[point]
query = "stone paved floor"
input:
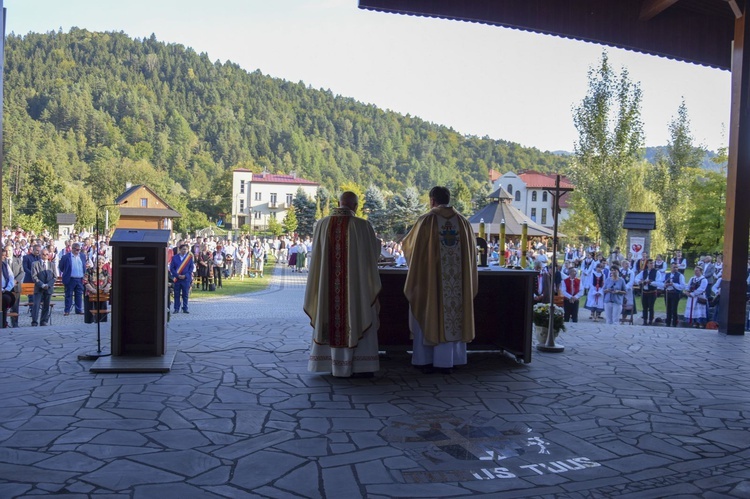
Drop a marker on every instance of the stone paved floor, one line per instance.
(625, 411)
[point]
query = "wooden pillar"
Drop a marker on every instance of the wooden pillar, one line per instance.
(2, 79)
(736, 231)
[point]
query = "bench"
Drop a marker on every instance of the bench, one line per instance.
(27, 288)
(94, 301)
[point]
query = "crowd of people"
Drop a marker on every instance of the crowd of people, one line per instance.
(610, 286)
(81, 264)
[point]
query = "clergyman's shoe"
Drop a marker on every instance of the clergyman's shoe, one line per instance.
(34, 323)
(363, 375)
(176, 312)
(185, 312)
(444, 370)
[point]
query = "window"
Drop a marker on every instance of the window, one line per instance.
(518, 195)
(242, 205)
(273, 215)
(144, 202)
(533, 196)
(544, 196)
(510, 189)
(257, 215)
(544, 215)
(242, 187)
(257, 196)
(273, 199)
(533, 214)
(289, 198)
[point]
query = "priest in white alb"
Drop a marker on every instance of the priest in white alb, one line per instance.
(341, 297)
(441, 285)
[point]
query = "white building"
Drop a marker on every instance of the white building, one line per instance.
(533, 194)
(258, 197)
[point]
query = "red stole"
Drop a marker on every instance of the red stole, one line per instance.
(338, 278)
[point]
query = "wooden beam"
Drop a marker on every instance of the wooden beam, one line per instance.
(735, 8)
(652, 8)
(737, 220)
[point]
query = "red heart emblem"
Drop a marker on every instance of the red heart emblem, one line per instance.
(637, 248)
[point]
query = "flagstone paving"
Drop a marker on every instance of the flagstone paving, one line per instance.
(624, 411)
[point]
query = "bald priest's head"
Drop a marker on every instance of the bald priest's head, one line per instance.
(349, 200)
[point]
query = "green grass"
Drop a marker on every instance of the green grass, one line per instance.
(232, 287)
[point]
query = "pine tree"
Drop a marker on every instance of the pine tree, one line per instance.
(406, 209)
(377, 211)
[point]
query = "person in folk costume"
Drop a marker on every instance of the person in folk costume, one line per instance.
(181, 269)
(648, 279)
(627, 275)
(541, 284)
(697, 302)
(680, 261)
(259, 254)
(673, 284)
(587, 269)
(205, 266)
(441, 285)
(595, 296)
(341, 297)
(614, 293)
(572, 291)
(241, 260)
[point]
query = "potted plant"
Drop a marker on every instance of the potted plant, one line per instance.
(541, 320)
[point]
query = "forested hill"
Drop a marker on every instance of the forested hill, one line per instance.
(87, 111)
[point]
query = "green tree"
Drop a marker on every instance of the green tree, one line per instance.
(304, 210)
(707, 217)
(406, 209)
(275, 228)
(610, 137)
(670, 178)
(289, 224)
(377, 211)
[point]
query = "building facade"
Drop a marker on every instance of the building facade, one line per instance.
(258, 197)
(533, 194)
(142, 208)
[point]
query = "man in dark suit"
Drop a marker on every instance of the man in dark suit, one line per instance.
(181, 269)
(73, 268)
(43, 274)
(15, 263)
(28, 261)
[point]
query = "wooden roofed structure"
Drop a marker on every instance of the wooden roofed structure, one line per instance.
(712, 33)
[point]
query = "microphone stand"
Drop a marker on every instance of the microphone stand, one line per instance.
(98, 354)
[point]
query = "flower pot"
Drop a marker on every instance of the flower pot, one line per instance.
(541, 333)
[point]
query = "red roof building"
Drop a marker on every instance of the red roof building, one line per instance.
(533, 194)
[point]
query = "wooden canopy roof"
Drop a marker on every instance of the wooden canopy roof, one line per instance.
(697, 31)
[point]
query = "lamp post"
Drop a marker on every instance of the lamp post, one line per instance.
(524, 242)
(501, 246)
(98, 354)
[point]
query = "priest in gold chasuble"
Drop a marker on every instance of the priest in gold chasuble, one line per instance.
(341, 298)
(441, 284)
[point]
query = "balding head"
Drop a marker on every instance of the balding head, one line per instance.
(349, 200)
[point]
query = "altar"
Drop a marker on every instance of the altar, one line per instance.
(502, 311)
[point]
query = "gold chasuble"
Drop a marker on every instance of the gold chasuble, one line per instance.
(341, 295)
(442, 280)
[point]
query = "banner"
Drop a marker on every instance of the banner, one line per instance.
(637, 245)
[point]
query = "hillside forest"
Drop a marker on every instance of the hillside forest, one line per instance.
(86, 112)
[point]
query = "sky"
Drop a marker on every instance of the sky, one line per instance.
(479, 80)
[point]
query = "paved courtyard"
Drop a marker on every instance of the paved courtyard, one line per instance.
(625, 411)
